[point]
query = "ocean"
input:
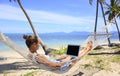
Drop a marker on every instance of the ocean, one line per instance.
(58, 39)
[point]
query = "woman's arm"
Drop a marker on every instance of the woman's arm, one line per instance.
(43, 60)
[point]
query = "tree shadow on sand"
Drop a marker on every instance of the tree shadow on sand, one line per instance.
(79, 74)
(17, 66)
(102, 53)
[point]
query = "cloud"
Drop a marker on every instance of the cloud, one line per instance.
(50, 20)
(13, 13)
(10, 13)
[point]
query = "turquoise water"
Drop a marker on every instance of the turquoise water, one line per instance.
(52, 39)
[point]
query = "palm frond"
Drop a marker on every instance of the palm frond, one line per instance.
(101, 1)
(110, 17)
(107, 12)
(12, 0)
(112, 2)
(90, 2)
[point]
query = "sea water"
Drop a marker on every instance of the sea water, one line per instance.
(60, 39)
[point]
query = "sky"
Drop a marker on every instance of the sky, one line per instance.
(49, 16)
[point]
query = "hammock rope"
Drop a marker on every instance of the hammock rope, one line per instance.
(100, 37)
(97, 39)
(23, 52)
(65, 68)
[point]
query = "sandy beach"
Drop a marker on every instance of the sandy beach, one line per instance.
(13, 64)
(97, 63)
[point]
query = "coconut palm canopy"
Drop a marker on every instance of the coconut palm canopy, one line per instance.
(113, 9)
(12, 0)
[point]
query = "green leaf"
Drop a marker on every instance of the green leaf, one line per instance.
(90, 2)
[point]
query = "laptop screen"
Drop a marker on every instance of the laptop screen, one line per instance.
(73, 50)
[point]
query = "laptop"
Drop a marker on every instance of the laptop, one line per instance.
(73, 50)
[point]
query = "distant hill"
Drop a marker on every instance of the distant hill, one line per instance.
(64, 33)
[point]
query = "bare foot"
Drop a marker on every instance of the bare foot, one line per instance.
(90, 44)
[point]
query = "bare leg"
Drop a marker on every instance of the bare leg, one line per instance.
(61, 57)
(83, 52)
(86, 50)
(64, 58)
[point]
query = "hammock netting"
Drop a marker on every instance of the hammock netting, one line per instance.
(97, 39)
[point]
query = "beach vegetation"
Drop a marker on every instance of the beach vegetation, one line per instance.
(100, 64)
(116, 59)
(97, 62)
(61, 51)
(32, 73)
(88, 66)
(98, 59)
(5, 73)
(119, 73)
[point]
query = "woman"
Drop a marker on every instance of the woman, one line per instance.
(33, 44)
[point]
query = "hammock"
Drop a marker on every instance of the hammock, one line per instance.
(23, 52)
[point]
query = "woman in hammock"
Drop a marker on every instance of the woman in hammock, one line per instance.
(32, 43)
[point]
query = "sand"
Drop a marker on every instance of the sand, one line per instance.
(13, 64)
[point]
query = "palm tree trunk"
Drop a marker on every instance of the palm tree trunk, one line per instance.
(117, 29)
(96, 19)
(30, 22)
(95, 28)
(28, 18)
(104, 21)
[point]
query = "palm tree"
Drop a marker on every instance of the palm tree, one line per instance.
(101, 3)
(13, 0)
(97, 5)
(113, 10)
(90, 1)
(45, 48)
